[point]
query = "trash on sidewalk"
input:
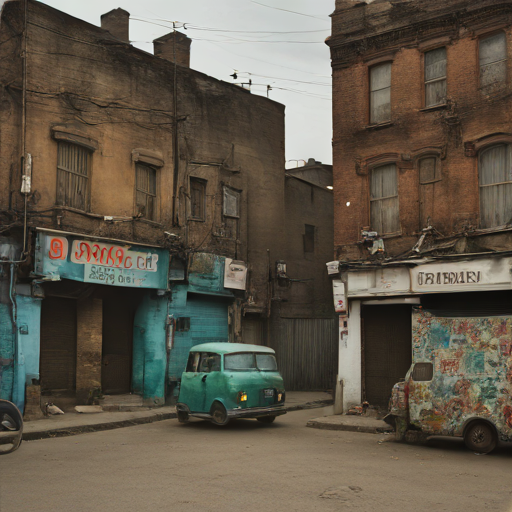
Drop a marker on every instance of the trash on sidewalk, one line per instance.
(52, 409)
(88, 409)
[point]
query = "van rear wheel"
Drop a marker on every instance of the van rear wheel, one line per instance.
(480, 437)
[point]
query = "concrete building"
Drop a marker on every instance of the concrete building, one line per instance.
(422, 175)
(126, 186)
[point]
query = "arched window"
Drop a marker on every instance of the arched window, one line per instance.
(495, 176)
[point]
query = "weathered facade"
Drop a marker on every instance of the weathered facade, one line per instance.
(126, 220)
(422, 175)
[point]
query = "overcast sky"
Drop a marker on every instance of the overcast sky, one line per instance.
(260, 39)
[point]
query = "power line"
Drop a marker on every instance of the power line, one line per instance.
(286, 10)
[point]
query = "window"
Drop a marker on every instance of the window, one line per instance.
(231, 205)
(242, 362)
(495, 176)
(493, 61)
(423, 372)
(197, 198)
(428, 169)
(384, 213)
(183, 324)
(203, 362)
(73, 169)
(380, 93)
(146, 191)
(309, 238)
(435, 77)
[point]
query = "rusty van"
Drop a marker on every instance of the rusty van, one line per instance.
(460, 381)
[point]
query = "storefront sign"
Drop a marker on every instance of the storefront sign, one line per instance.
(99, 262)
(478, 274)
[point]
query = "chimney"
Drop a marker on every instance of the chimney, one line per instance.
(164, 48)
(117, 23)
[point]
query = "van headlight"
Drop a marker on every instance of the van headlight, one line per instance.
(242, 396)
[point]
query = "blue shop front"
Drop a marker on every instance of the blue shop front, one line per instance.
(106, 317)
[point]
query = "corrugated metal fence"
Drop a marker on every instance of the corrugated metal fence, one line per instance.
(307, 353)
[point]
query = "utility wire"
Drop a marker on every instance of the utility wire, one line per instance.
(287, 10)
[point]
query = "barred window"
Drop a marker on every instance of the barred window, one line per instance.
(146, 191)
(495, 176)
(384, 212)
(435, 77)
(493, 61)
(73, 170)
(380, 93)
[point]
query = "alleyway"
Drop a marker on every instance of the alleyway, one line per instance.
(252, 467)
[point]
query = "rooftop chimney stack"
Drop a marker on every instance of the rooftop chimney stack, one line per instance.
(164, 48)
(117, 23)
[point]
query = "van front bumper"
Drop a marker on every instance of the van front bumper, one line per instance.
(257, 412)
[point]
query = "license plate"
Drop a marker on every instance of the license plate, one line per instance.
(269, 393)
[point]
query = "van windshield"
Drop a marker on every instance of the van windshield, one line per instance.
(249, 361)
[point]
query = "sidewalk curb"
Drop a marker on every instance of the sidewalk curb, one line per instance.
(98, 427)
(365, 429)
(111, 425)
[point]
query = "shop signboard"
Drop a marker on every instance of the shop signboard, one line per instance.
(473, 275)
(90, 261)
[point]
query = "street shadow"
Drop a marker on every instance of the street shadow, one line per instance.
(456, 444)
(238, 425)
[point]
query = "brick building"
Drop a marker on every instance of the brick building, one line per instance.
(422, 174)
(124, 203)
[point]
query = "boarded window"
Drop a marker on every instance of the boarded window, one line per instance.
(435, 77)
(428, 169)
(493, 61)
(495, 176)
(231, 205)
(384, 213)
(73, 168)
(146, 191)
(380, 93)
(309, 238)
(197, 198)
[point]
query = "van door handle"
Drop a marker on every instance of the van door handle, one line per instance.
(204, 378)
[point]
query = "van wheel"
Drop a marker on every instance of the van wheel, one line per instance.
(182, 416)
(266, 419)
(480, 437)
(219, 414)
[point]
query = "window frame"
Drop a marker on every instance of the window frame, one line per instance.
(508, 163)
(65, 200)
(384, 198)
(437, 171)
(202, 183)
(154, 169)
(498, 85)
(371, 69)
(439, 79)
(226, 190)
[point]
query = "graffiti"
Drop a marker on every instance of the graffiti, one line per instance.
(473, 370)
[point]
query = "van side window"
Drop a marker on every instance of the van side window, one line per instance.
(193, 362)
(423, 372)
(209, 362)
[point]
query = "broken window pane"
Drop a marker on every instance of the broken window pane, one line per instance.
(380, 93)
(493, 61)
(495, 175)
(384, 212)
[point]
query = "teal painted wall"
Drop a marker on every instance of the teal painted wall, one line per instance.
(7, 346)
(208, 322)
(149, 349)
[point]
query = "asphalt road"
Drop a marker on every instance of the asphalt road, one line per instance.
(248, 466)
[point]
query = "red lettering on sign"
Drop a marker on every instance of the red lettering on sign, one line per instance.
(57, 251)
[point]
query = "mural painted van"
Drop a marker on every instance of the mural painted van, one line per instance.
(223, 381)
(460, 381)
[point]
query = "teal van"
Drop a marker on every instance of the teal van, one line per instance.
(223, 381)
